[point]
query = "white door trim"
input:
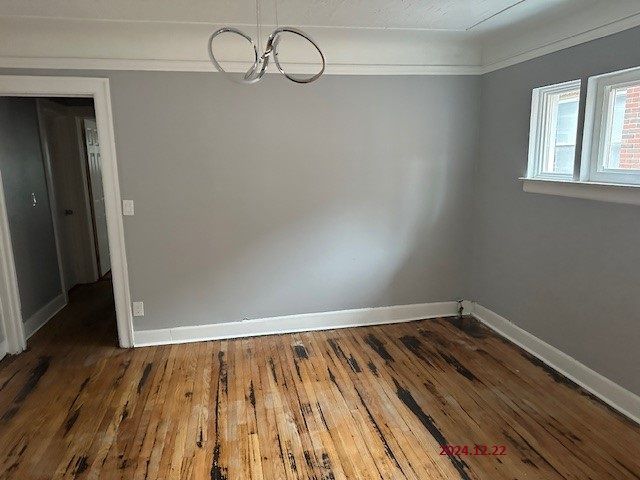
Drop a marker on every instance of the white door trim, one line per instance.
(98, 89)
(9, 296)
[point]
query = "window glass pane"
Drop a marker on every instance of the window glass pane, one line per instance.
(623, 150)
(564, 157)
(564, 126)
(567, 121)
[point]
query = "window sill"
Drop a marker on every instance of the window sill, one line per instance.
(604, 192)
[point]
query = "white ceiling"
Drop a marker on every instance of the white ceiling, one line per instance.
(456, 15)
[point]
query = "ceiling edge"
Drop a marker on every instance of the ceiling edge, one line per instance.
(38, 43)
(529, 52)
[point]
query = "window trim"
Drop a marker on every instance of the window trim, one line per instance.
(596, 134)
(540, 127)
(604, 192)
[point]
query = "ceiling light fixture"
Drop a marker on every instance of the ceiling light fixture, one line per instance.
(261, 62)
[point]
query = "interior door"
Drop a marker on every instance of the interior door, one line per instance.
(97, 194)
(70, 199)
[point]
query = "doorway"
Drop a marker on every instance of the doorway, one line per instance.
(72, 160)
(76, 143)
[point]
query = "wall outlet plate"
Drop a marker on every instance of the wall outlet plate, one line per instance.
(128, 207)
(138, 309)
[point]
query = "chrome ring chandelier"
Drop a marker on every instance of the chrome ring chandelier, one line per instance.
(261, 62)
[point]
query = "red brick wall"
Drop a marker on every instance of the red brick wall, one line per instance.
(630, 149)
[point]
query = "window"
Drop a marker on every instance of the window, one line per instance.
(554, 128)
(611, 148)
(608, 167)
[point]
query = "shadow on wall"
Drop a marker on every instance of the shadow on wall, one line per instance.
(357, 246)
(350, 249)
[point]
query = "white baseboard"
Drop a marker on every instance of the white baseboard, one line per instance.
(42, 316)
(3, 348)
(295, 323)
(609, 392)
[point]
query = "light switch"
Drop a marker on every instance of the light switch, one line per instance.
(138, 309)
(128, 207)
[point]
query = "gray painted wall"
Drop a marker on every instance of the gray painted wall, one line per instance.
(276, 199)
(31, 227)
(566, 270)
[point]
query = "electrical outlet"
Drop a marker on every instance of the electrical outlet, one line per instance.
(128, 208)
(138, 309)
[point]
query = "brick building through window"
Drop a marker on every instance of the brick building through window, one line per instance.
(625, 135)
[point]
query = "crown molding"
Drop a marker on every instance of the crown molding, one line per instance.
(54, 43)
(29, 42)
(57, 63)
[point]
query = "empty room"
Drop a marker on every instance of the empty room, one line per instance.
(320, 240)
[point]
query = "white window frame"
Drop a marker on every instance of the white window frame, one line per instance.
(542, 130)
(598, 115)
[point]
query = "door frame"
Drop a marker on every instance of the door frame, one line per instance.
(98, 89)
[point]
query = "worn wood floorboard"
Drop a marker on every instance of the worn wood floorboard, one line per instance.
(360, 403)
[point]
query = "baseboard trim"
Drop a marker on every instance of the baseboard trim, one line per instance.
(42, 316)
(295, 323)
(611, 393)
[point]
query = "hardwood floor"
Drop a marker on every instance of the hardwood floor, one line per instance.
(370, 403)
